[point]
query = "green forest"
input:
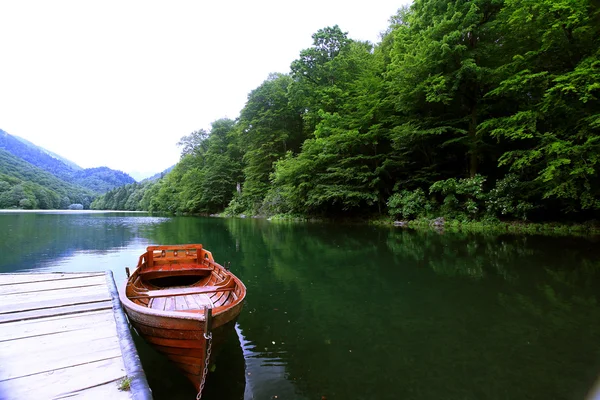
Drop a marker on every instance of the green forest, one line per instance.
(34, 178)
(468, 109)
(26, 186)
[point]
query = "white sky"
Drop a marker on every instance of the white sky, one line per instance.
(118, 83)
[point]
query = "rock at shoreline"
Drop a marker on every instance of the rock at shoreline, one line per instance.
(438, 222)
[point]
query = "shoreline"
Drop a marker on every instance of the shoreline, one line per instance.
(440, 224)
(14, 210)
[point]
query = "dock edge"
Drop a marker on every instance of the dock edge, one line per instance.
(133, 366)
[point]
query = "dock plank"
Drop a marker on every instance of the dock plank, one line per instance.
(59, 338)
(17, 298)
(49, 360)
(55, 311)
(50, 285)
(106, 391)
(43, 326)
(62, 382)
(12, 279)
(49, 302)
(39, 344)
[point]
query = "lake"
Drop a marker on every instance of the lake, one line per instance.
(341, 311)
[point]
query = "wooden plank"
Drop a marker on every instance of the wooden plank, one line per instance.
(170, 304)
(32, 287)
(109, 390)
(191, 301)
(180, 303)
(44, 326)
(20, 367)
(35, 304)
(187, 344)
(39, 344)
(63, 381)
(12, 279)
(203, 301)
(16, 298)
(158, 303)
(182, 291)
(59, 338)
(56, 311)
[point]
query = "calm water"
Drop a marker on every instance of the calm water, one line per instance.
(359, 312)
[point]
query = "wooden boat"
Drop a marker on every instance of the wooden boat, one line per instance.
(181, 301)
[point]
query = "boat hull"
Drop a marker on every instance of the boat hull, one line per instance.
(171, 315)
(183, 347)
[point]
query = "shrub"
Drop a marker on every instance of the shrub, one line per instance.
(506, 199)
(408, 204)
(463, 198)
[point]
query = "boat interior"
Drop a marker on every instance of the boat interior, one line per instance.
(183, 279)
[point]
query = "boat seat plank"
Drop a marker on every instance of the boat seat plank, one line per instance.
(175, 292)
(176, 269)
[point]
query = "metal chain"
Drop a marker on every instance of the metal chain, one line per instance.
(208, 338)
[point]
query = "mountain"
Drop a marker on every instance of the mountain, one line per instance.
(98, 180)
(101, 179)
(51, 154)
(34, 155)
(24, 185)
(156, 177)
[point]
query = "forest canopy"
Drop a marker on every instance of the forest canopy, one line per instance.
(479, 109)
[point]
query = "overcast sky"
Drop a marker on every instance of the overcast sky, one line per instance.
(118, 83)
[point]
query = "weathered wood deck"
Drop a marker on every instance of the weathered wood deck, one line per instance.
(64, 335)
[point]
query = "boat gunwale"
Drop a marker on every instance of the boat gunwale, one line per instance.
(178, 314)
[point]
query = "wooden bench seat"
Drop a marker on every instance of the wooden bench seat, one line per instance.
(184, 291)
(161, 270)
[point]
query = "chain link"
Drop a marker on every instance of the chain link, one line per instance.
(208, 337)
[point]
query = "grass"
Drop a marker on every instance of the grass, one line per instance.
(125, 384)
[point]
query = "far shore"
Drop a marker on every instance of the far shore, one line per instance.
(15, 210)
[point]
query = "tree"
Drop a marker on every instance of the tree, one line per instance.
(341, 168)
(441, 71)
(553, 85)
(268, 127)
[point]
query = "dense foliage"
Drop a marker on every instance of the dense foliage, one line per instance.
(101, 179)
(22, 185)
(471, 109)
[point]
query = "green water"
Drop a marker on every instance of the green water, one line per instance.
(359, 312)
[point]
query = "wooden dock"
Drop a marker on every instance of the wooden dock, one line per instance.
(64, 335)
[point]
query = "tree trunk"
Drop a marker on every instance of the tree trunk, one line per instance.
(473, 147)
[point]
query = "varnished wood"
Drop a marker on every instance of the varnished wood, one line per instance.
(172, 318)
(182, 291)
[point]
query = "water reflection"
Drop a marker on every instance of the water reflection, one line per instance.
(266, 375)
(359, 312)
(31, 241)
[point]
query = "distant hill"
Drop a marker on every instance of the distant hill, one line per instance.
(98, 180)
(156, 177)
(102, 179)
(51, 154)
(34, 155)
(23, 185)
